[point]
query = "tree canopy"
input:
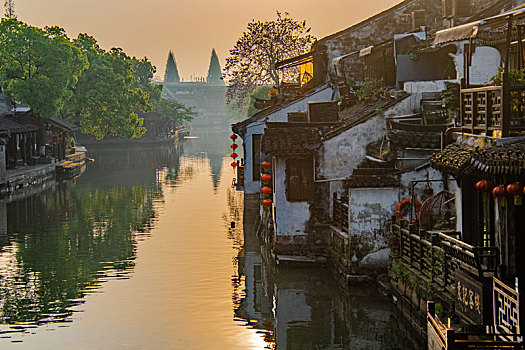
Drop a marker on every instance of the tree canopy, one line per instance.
(104, 101)
(101, 90)
(39, 67)
(253, 58)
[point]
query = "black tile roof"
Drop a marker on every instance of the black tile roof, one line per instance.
(12, 127)
(291, 138)
(505, 159)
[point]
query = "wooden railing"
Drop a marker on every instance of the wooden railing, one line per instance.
(441, 336)
(437, 255)
(492, 111)
(340, 217)
(481, 110)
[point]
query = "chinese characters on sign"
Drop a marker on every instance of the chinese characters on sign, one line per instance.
(469, 298)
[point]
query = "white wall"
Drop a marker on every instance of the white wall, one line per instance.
(281, 115)
(370, 211)
(290, 217)
(340, 155)
(485, 63)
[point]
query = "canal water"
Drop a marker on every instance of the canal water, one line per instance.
(147, 250)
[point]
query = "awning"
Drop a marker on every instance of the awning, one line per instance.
(336, 60)
(366, 51)
(295, 61)
(466, 31)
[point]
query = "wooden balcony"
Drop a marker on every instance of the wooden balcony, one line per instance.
(436, 256)
(340, 216)
(493, 111)
(442, 336)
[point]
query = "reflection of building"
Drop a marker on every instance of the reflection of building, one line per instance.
(3, 225)
(256, 306)
(305, 309)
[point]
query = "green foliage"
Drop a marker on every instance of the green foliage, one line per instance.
(214, 71)
(104, 100)
(400, 270)
(516, 77)
(173, 111)
(39, 67)
(172, 73)
(253, 58)
(100, 90)
(143, 72)
(451, 95)
(260, 92)
(369, 89)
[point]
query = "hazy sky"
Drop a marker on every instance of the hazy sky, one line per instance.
(191, 28)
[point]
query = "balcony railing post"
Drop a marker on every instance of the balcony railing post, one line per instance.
(421, 254)
(505, 101)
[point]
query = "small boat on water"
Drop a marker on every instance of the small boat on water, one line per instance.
(73, 165)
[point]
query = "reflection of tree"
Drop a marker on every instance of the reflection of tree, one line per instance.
(65, 240)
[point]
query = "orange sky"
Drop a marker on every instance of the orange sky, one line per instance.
(191, 28)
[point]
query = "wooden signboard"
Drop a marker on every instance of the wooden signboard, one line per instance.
(469, 298)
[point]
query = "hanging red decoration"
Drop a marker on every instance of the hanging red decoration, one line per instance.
(266, 190)
(267, 202)
(266, 165)
(233, 146)
(234, 164)
(151, 124)
(484, 186)
(234, 155)
(233, 137)
(499, 192)
(514, 189)
(266, 178)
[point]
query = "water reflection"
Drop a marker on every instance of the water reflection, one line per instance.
(63, 243)
(153, 249)
(296, 308)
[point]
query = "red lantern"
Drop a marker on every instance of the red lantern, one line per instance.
(484, 186)
(266, 178)
(233, 137)
(499, 192)
(266, 190)
(234, 155)
(514, 189)
(151, 124)
(233, 146)
(267, 202)
(266, 165)
(234, 164)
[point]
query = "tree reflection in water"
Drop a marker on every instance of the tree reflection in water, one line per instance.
(66, 242)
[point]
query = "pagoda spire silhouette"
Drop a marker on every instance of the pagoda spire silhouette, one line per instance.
(172, 72)
(214, 71)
